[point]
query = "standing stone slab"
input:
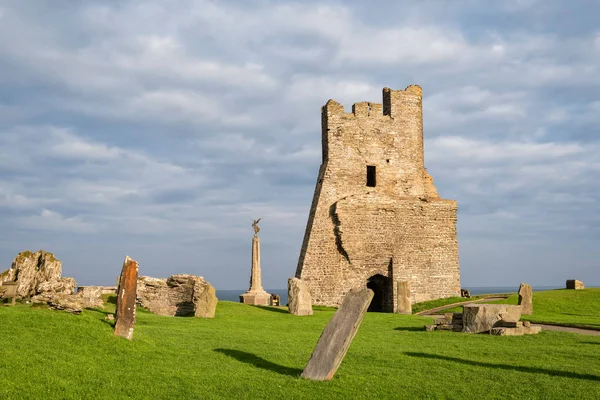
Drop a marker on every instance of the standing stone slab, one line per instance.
(337, 336)
(126, 294)
(526, 299)
(299, 300)
(404, 303)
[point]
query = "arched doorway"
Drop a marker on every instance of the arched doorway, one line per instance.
(378, 284)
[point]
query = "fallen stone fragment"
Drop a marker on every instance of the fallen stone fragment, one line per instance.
(299, 299)
(337, 336)
(526, 299)
(520, 331)
(574, 284)
(479, 318)
(509, 324)
(110, 317)
(70, 303)
(445, 327)
(125, 313)
(404, 297)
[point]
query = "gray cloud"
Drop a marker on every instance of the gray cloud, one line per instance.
(155, 131)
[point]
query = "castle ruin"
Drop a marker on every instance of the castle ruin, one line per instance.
(376, 217)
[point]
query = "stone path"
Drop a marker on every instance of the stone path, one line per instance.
(571, 329)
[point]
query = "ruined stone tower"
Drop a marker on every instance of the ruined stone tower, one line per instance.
(376, 217)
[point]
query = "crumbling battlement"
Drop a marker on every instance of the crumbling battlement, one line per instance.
(376, 214)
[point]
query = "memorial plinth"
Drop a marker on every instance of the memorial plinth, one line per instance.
(256, 295)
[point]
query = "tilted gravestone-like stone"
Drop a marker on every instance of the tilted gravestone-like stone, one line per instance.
(404, 303)
(337, 336)
(126, 294)
(526, 299)
(299, 300)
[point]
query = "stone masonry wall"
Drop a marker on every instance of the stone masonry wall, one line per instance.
(400, 228)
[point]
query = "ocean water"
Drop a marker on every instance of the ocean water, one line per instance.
(234, 295)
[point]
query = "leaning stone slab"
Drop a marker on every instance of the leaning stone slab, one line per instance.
(403, 297)
(337, 336)
(126, 294)
(574, 284)
(479, 318)
(526, 299)
(299, 300)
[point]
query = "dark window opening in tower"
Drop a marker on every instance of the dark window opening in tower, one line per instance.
(371, 176)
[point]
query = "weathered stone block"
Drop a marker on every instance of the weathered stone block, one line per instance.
(8, 290)
(91, 296)
(60, 286)
(404, 298)
(70, 303)
(275, 300)
(574, 284)
(483, 317)
(337, 336)
(126, 299)
(526, 299)
(518, 331)
(29, 270)
(299, 300)
(204, 298)
(179, 295)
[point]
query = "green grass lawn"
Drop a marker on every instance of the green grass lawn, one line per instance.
(249, 352)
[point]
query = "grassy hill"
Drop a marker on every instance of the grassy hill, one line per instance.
(250, 352)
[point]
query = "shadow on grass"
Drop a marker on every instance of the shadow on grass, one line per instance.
(410, 329)
(532, 370)
(273, 309)
(596, 343)
(259, 362)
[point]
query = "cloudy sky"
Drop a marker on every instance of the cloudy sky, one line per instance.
(158, 129)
